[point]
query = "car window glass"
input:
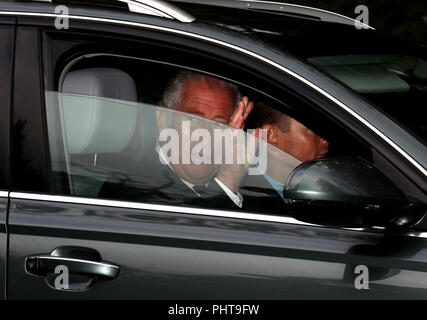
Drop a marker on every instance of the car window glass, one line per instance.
(115, 118)
(109, 145)
(395, 83)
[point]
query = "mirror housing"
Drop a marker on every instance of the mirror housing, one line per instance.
(347, 192)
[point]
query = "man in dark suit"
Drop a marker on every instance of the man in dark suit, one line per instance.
(180, 182)
(293, 143)
(153, 182)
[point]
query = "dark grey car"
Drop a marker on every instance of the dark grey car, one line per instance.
(80, 87)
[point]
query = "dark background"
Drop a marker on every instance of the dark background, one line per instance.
(407, 19)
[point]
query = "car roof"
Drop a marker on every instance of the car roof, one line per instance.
(266, 7)
(282, 9)
(298, 30)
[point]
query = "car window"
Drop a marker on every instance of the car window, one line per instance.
(115, 137)
(396, 83)
(122, 127)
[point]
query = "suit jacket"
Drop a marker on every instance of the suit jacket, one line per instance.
(153, 182)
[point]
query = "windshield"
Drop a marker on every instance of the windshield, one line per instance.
(396, 83)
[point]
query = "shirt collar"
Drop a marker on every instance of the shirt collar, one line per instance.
(164, 160)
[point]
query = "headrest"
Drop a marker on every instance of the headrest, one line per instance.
(98, 110)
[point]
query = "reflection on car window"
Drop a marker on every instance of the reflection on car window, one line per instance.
(188, 149)
(396, 83)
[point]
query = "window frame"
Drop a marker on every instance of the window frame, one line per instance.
(328, 107)
(323, 103)
(78, 58)
(196, 34)
(6, 89)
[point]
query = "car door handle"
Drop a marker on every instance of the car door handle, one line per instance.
(79, 261)
(44, 264)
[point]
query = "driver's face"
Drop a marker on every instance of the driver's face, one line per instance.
(302, 143)
(210, 100)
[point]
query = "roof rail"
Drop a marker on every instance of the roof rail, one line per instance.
(159, 8)
(151, 7)
(285, 8)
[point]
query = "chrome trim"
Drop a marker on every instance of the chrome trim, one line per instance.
(192, 211)
(156, 207)
(324, 15)
(159, 8)
(422, 235)
(103, 264)
(283, 7)
(166, 10)
(4, 194)
(242, 50)
(153, 7)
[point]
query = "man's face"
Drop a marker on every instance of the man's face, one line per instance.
(301, 142)
(210, 100)
(207, 99)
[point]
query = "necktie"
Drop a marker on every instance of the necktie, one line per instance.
(202, 190)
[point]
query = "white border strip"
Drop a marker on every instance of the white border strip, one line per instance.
(188, 210)
(247, 52)
(4, 194)
(158, 207)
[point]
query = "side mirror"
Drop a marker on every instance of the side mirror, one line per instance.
(347, 192)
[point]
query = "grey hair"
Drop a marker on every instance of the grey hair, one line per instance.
(173, 92)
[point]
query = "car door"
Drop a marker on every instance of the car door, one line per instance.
(68, 243)
(7, 35)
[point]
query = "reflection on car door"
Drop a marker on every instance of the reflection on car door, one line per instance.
(163, 254)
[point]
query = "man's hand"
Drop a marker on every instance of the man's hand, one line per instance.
(233, 174)
(241, 113)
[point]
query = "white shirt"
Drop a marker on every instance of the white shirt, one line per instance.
(236, 198)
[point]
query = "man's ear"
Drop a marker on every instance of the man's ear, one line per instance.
(270, 133)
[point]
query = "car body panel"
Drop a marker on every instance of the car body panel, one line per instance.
(167, 255)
